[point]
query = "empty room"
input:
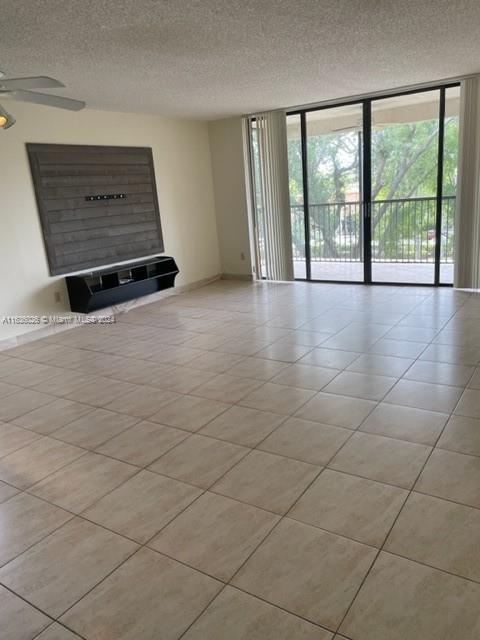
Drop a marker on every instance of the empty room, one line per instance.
(239, 320)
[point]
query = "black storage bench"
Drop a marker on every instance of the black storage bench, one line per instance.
(94, 290)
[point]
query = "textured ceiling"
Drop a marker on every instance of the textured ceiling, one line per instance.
(213, 58)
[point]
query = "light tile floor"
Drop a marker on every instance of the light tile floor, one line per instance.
(247, 461)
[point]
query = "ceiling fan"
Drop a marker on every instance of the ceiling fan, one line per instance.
(19, 89)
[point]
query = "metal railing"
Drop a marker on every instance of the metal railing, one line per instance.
(403, 230)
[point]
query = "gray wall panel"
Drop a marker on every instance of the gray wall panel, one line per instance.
(81, 234)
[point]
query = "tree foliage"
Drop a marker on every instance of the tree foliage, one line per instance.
(404, 166)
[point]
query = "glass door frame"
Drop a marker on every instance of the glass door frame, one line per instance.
(366, 183)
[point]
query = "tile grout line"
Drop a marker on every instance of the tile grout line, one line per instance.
(391, 527)
(286, 418)
(382, 548)
(282, 517)
(145, 545)
(52, 625)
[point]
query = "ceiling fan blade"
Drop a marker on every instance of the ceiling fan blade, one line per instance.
(47, 99)
(35, 82)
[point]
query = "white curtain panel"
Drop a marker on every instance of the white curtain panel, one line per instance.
(467, 231)
(275, 198)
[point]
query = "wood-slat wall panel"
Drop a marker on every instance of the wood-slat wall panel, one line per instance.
(81, 234)
(112, 254)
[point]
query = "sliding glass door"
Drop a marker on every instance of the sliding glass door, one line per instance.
(334, 152)
(325, 193)
(404, 166)
(372, 189)
(449, 184)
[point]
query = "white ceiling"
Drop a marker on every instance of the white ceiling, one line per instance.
(211, 58)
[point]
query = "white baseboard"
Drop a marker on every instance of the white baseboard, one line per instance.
(248, 277)
(50, 329)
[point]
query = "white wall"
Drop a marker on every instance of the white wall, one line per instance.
(226, 146)
(183, 171)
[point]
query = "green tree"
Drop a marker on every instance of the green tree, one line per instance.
(404, 166)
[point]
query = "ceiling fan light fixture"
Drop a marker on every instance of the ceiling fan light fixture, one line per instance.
(19, 89)
(6, 119)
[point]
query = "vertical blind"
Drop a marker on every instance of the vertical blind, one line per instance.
(270, 191)
(467, 232)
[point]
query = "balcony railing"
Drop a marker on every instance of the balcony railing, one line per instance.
(403, 230)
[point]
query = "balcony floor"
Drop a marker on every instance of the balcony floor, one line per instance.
(411, 273)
